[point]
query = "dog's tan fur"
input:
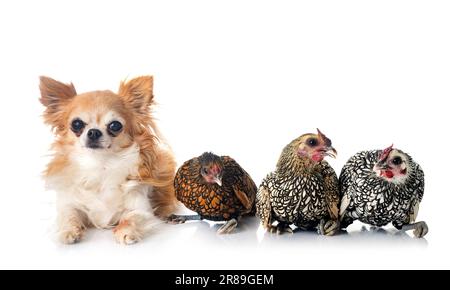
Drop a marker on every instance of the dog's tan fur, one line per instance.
(118, 182)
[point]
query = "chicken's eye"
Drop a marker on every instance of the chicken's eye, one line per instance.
(397, 161)
(312, 142)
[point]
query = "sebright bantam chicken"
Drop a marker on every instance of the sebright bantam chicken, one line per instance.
(217, 188)
(382, 186)
(303, 190)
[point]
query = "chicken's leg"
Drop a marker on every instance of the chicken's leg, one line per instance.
(228, 227)
(420, 229)
(281, 228)
(181, 219)
(328, 227)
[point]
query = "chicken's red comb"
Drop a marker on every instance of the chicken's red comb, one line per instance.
(324, 138)
(386, 152)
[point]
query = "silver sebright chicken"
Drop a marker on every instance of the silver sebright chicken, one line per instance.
(382, 186)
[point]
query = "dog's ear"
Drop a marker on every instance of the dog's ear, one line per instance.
(54, 96)
(138, 94)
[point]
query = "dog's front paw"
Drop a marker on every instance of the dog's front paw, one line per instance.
(71, 235)
(126, 234)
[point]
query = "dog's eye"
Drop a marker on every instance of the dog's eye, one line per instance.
(77, 125)
(115, 127)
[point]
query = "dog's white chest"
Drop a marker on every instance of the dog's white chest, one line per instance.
(100, 189)
(102, 198)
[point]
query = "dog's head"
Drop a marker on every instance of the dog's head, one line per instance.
(99, 120)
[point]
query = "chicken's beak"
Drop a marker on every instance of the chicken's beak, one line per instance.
(218, 181)
(331, 152)
(382, 165)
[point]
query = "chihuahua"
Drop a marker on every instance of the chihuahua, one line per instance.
(111, 169)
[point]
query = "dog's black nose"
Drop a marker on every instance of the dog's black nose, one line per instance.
(94, 134)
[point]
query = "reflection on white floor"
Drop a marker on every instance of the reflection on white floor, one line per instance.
(195, 245)
(250, 233)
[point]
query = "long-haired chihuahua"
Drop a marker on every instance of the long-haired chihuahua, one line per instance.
(110, 168)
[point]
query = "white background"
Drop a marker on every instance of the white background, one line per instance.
(241, 78)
